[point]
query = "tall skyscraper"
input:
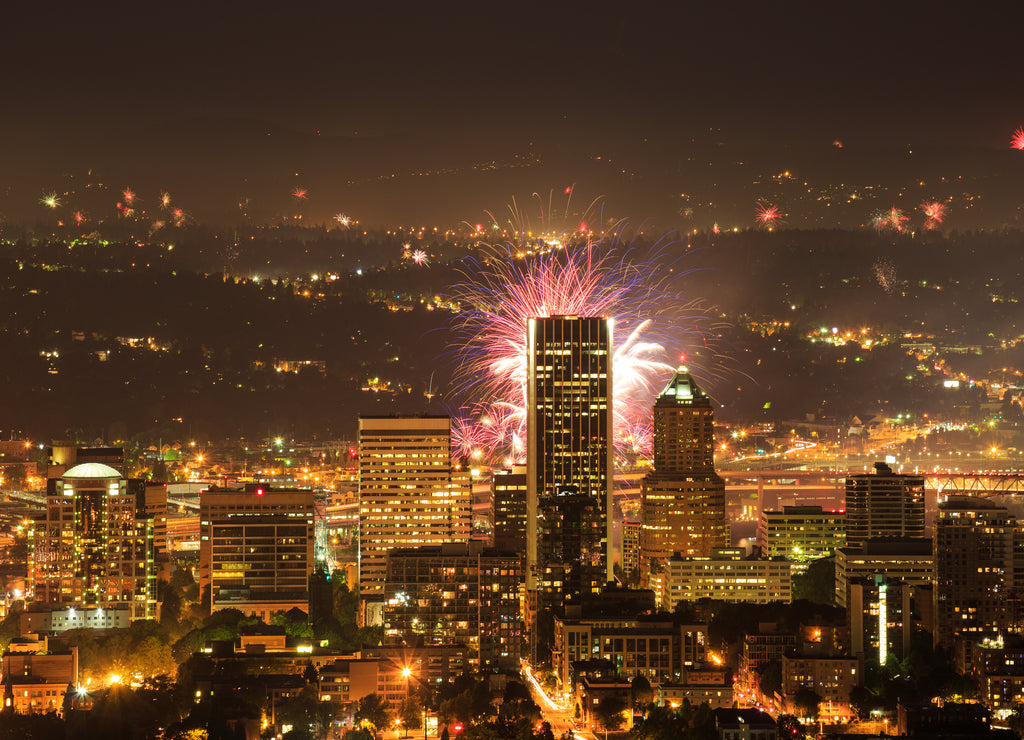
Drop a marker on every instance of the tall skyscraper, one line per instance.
(883, 504)
(974, 568)
(93, 548)
(256, 548)
(569, 453)
(410, 493)
(683, 498)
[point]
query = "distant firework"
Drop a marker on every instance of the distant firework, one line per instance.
(934, 213)
(420, 258)
(129, 196)
(344, 220)
(767, 215)
(300, 194)
(79, 218)
(165, 199)
(577, 277)
(50, 200)
(1017, 140)
(885, 274)
(891, 218)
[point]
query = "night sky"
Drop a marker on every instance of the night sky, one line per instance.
(389, 110)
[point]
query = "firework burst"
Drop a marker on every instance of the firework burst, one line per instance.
(129, 196)
(891, 218)
(343, 220)
(934, 214)
(300, 194)
(420, 258)
(50, 200)
(1017, 140)
(581, 278)
(885, 274)
(767, 216)
(165, 199)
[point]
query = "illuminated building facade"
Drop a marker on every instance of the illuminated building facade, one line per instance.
(648, 647)
(878, 612)
(630, 549)
(93, 548)
(725, 575)
(569, 457)
(683, 498)
(410, 493)
(908, 560)
(256, 548)
(459, 593)
(884, 504)
(974, 568)
(801, 533)
(508, 509)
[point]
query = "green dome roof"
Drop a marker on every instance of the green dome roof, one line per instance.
(91, 470)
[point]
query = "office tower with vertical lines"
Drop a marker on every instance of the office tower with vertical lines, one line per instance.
(569, 457)
(410, 493)
(884, 505)
(683, 498)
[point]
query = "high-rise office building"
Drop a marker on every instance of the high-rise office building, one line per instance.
(410, 493)
(256, 548)
(884, 504)
(508, 509)
(974, 568)
(569, 456)
(683, 504)
(93, 548)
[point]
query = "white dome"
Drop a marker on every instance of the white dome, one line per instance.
(91, 470)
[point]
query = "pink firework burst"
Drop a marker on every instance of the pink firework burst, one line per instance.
(896, 218)
(79, 218)
(1017, 140)
(766, 215)
(300, 194)
(934, 213)
(420, 258)
(129, 196)
(589, 279)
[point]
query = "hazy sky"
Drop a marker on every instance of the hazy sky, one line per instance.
(157, 88)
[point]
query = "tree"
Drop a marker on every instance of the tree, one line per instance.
(374, 710)
(641, 693)
(771, 678)
(817, 583)
(410, 711)
(609, 712)
(807, 702)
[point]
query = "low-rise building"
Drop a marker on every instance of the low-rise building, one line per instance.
(37, 682)
(727, 575)
(636, 646)
(801, 533)
(831, 678)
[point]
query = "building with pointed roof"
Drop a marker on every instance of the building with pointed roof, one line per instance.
(683, 498)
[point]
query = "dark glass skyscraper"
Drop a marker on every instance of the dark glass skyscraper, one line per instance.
(569, 456)
(884, 504)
